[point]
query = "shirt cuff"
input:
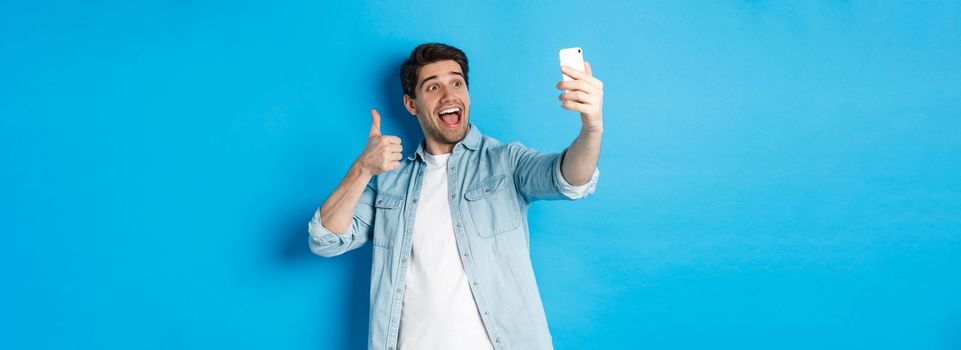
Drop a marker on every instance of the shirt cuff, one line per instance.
(571, 191)
(321, 237)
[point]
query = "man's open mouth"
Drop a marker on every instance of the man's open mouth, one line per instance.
(450, 116)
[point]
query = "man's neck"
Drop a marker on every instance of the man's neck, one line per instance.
(435, 148)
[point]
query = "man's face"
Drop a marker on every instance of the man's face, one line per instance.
(442, 104)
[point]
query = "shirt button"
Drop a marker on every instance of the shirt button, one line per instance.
(466, 254)
(452, 196)
(485, 313)
(458, 224)
(475, 283)
(403, 260)
(415, 200)
(398, 290)
(498, 340)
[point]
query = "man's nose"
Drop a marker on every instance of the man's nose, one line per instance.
(446, 95)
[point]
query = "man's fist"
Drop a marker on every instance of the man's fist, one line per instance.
(383, 152)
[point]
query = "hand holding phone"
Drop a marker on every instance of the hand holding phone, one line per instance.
(583, 92)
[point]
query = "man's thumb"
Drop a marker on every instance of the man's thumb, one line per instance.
(375, 123)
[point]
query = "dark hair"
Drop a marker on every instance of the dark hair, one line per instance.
(425, 54)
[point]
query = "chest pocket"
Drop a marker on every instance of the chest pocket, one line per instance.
(387, 218)
(493, 206)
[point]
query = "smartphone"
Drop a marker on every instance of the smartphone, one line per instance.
(572, 57)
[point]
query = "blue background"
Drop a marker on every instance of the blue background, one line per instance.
(773, 175)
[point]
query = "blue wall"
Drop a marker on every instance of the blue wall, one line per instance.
(773, 175)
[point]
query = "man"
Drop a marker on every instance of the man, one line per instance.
(451, 260)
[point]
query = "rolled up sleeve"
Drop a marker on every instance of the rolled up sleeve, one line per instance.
(326, 243)
(538, 176)
(571, 191)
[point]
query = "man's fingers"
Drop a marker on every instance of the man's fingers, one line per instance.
(391, 140)
(582, 76)
(577, 85)
(574, 106)
(389, 155)
(573, 73)
(587, 67)
(576, 96)
(387, 147)
(375, 123)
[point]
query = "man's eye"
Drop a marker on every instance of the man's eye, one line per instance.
(457, 83)
(432, 88)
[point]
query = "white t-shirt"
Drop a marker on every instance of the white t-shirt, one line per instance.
(439, 311)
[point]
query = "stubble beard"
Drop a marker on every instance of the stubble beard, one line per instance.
(449, 137)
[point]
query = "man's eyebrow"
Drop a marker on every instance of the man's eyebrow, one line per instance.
(435, 77)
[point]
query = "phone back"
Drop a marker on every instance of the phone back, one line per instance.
(572, 57)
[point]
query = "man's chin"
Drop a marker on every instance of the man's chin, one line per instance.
(455, 136)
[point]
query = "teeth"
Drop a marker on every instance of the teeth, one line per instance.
(450, 110)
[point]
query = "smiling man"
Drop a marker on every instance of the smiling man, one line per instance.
(451, 258)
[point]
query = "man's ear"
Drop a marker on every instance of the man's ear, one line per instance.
(410, 105)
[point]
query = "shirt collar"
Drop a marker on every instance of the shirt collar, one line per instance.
(470, 141)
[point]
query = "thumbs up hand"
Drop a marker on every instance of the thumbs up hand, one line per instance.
(383, 152)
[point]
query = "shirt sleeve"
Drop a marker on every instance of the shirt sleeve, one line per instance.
(326, 243)
(537, 176)
(571, 191)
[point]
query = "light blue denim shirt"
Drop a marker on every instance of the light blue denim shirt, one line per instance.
(490, 186)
